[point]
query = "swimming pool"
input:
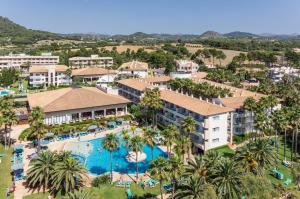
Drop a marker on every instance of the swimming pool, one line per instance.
(5, 92)
(98, 161)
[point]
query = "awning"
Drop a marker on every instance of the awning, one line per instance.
(93, 127)
(16, 167)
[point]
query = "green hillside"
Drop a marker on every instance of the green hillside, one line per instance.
(12, 33)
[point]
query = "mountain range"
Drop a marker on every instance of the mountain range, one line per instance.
(15, 33)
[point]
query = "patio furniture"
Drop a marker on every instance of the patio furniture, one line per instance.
(168, 187)
(92, 128)
(278, 174)
(287, 181)
(286, 163)
(129, 193)
(111, 125)
(18, 148)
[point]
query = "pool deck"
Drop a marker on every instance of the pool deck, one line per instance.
(21, 190)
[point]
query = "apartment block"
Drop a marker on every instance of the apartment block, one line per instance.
(186, 66)
(17, 60)
(92, 61)
(46, 75)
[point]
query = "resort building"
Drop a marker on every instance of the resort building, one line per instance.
(17, 60)
(46, 75)
(186, 66)
(76, 104)
(100, 76)
(92, 61)
(213, 121)
(277, 73)
(134, 68)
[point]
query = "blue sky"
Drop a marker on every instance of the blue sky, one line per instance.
(155, 16)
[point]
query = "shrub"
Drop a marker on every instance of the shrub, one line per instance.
(241, 138)
(100, 180)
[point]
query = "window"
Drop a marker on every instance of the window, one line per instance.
(215, 140)
(216, 129)
(216, 117)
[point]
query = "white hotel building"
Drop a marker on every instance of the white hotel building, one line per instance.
(17, 60)
(213, 121)
(92, 61)
(46, 75)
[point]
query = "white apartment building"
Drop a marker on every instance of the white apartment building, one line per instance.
(17, 60)
(186, 66)
(46, 75)
(92, 61)
(277, 73)
(134, 68)
(213, 121)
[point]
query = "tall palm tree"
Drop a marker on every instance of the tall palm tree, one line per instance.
(198, 167)
(136, 145)
(40, 170)
(169, 134)
(183, 144)
(6, 109)
(149, 135)
(9, 118)
(245, 155)
(189, 126)
(67, 176)
(110, 143)
(36, 123)
(279, 122)
(176, 170)
(195, 188)
(151, 100)
(250, 104)
(227, 178)
(125, 135)
(159, 170)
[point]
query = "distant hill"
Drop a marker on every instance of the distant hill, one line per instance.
(238, 34)
(210, 34)
(11, 32)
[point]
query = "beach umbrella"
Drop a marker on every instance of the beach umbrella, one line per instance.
(16, 167)
(18, 147)
(49, 134)
(93, 127)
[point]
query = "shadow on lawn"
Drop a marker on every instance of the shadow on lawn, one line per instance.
(146, 195)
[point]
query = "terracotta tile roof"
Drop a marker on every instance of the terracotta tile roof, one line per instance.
(45, 68)
(157, 79)
(193, 104)
(73, 98)
(92, 71)
(236, 102)
(134, 65)
(137, 84)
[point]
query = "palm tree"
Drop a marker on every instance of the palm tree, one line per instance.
(40, 170)
(183, 144)
(149, 138)
(198, 167)
(189, 125)
(151, 100)
(250, 104)
(136, 145)
(169, 134)
(67, 176)
(78, 195)
(125, 135)
(110, 143)
(176, 170)
(9, 119)
(195, 188)
(6, 109)
(245, 155)
(36, 123)
(227, 178)
(159, 170)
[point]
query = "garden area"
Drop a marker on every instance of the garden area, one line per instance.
(5, 167)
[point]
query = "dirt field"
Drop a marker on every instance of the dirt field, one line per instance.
(123, 48)
(229, 54)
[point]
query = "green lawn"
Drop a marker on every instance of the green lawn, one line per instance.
(111, 192)
(5, 177)
(225, 150)
(15, 86)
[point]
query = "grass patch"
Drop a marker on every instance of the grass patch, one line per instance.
(6, 178)
(111, 192)
(224, 150)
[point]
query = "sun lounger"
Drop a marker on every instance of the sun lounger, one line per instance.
(287, 181)
(129, 193)
(286, 163)
(278, 174)
(168, 187)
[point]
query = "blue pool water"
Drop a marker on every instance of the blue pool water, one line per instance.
(4, 92)
(98, 162)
